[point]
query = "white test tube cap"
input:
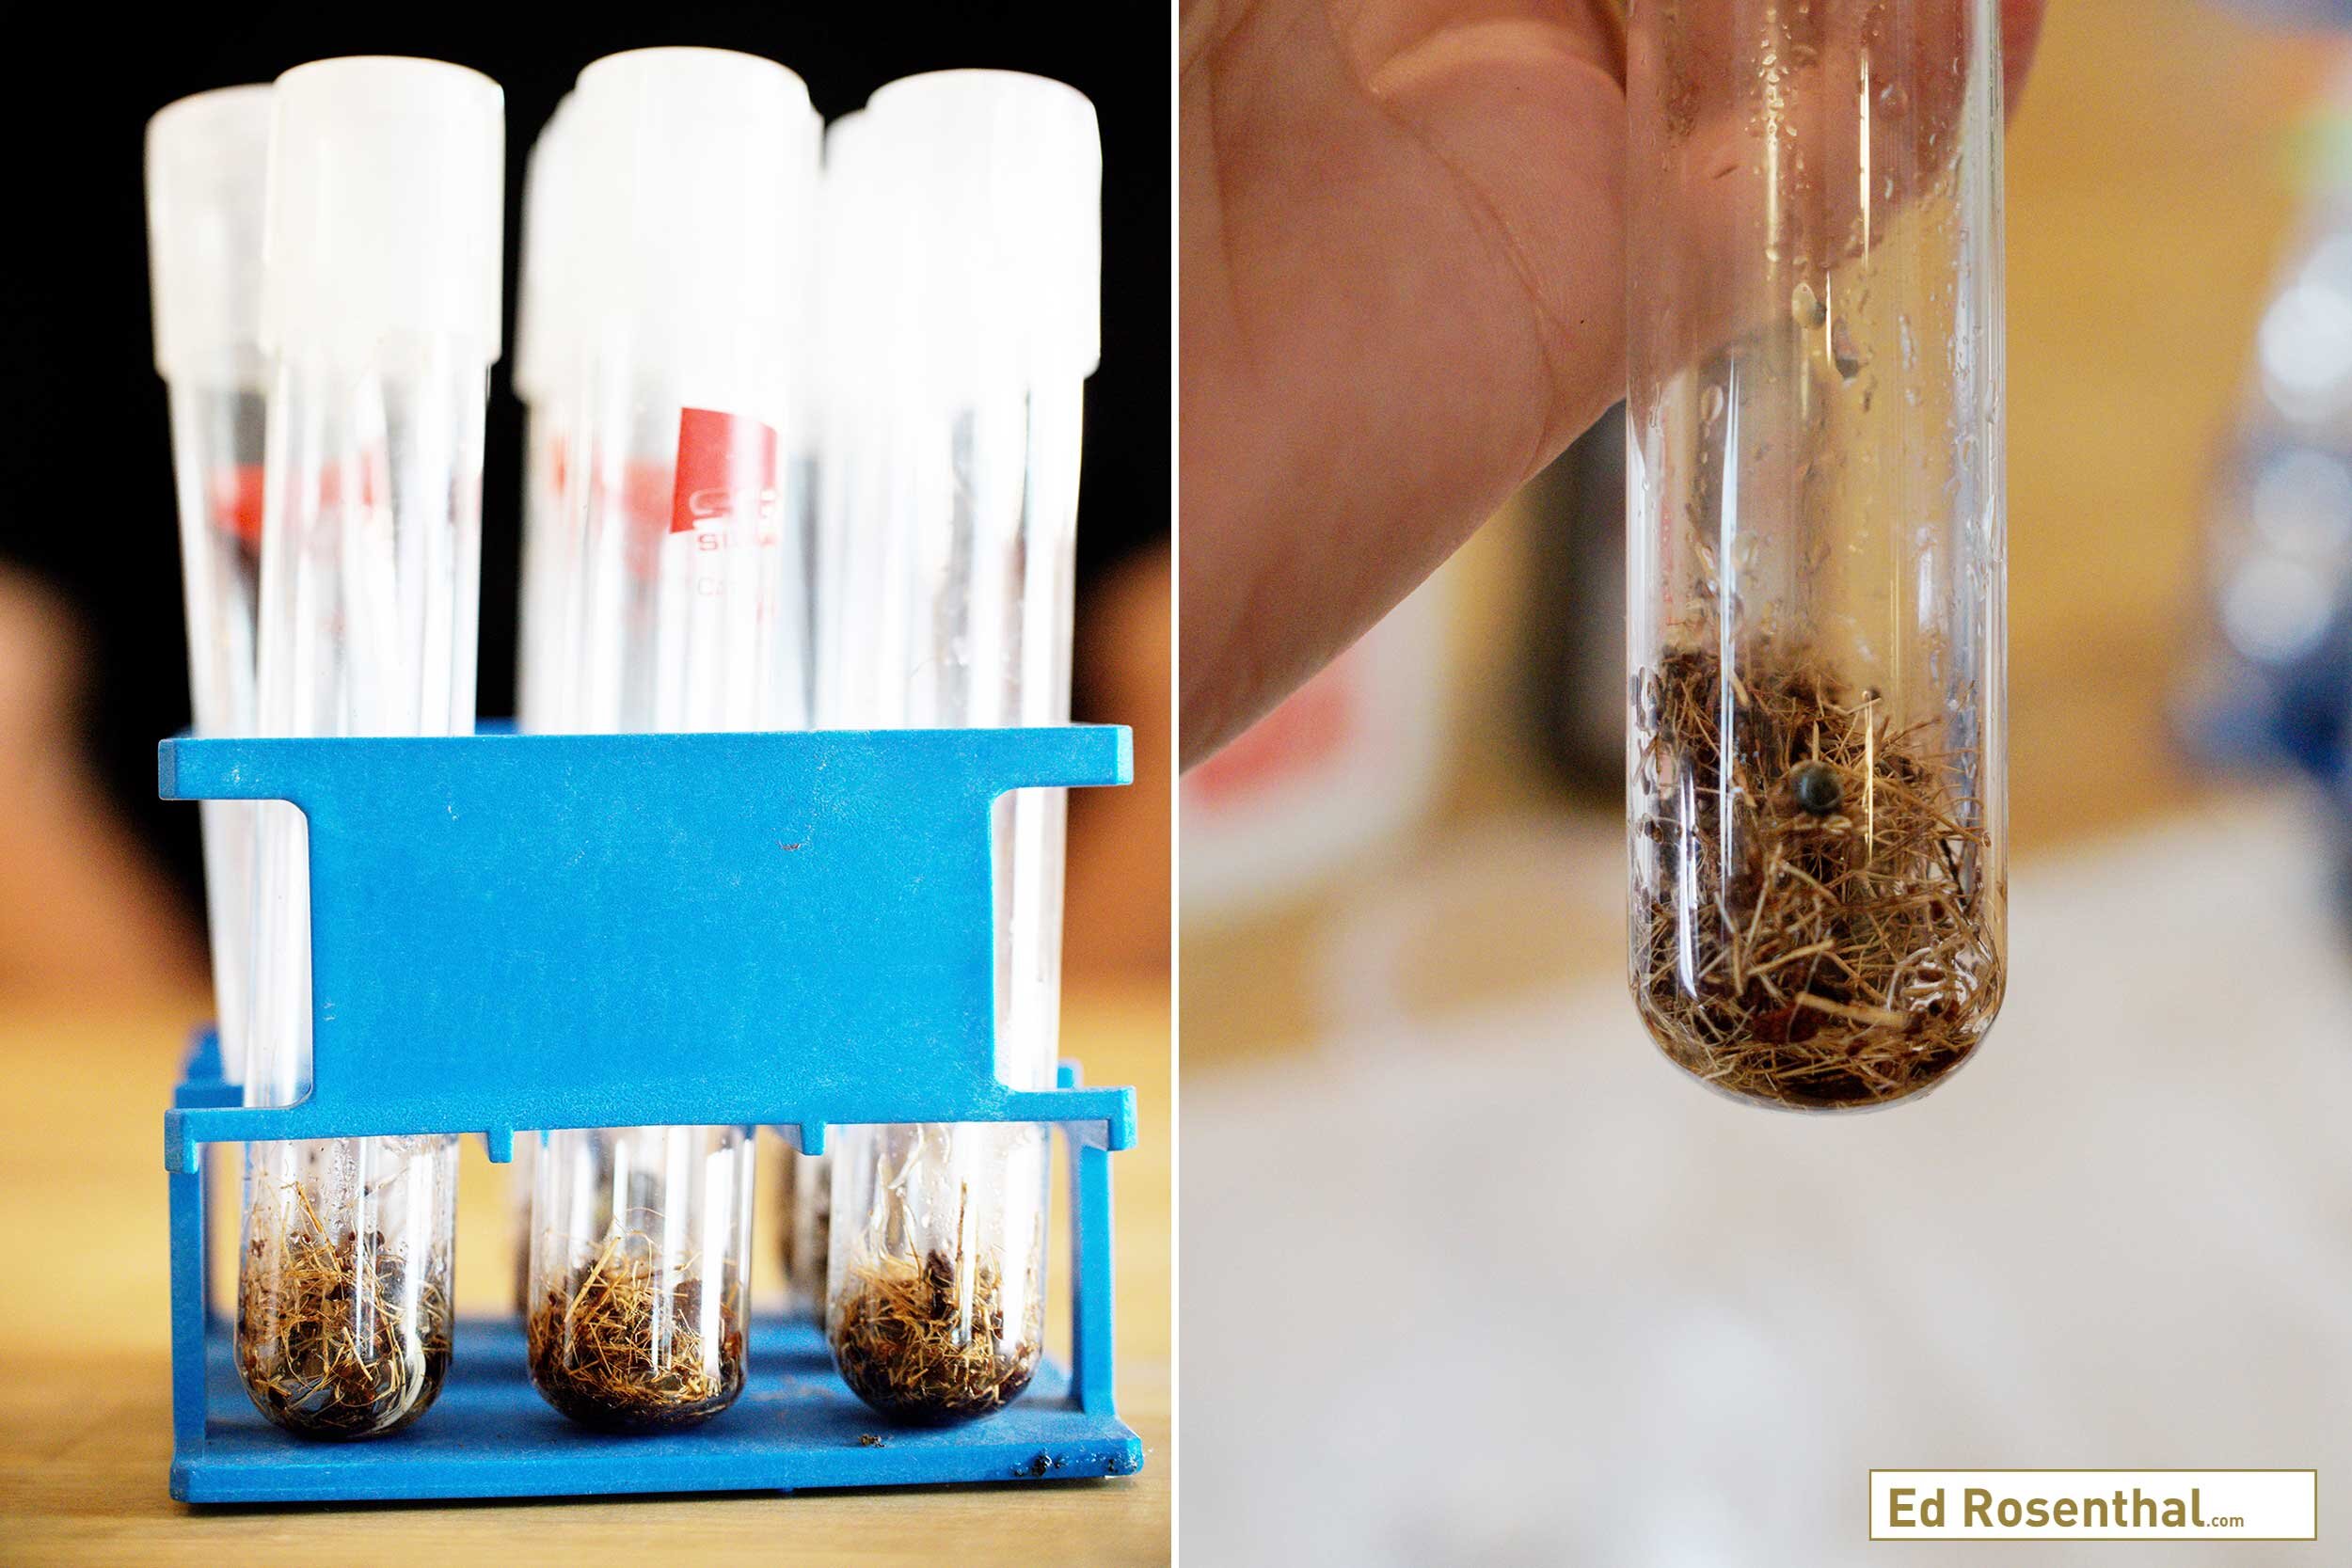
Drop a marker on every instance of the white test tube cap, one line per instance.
(543, 314)
(842, 235)
(385, 206)
(869, 261)
(206, 167)
(1011, 176)
(704, 165)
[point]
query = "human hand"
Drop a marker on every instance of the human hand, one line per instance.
(1403, 294)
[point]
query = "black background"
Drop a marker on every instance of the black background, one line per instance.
(85, 497)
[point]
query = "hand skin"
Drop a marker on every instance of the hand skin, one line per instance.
(1403, 294)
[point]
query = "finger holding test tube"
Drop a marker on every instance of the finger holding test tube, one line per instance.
(207, 158)
(380, 319)
(986, 226)
(684, 423)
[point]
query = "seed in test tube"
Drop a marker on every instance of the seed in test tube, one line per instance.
(1710, 405)
(1806, 307)
(1816, 787)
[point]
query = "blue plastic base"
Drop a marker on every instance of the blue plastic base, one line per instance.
(510, 932)
(490, 1435)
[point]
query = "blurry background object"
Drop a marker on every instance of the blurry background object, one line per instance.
(1575, 622)
(1331, 778)
(85, 912)
(1640, 1326)
(2275, 685)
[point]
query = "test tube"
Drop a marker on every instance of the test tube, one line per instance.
(692, 587)
(544, 381)
(207, 157)
(639, 1244)
(988, 227)
(543, 344)
(1817, 636)
(848, 628)
(380, 318)
(806, 1233)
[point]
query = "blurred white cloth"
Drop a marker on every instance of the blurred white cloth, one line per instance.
(1513, 1291)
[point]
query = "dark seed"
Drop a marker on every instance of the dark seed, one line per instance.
(1815, 786)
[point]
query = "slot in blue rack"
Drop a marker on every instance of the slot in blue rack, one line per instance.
(518, 932)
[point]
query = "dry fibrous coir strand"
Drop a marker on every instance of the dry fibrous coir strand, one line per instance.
(1816, 929)
(604, 1351)
(328, 1343)
(913, 1344)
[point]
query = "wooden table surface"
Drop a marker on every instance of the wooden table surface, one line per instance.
(84, 1407)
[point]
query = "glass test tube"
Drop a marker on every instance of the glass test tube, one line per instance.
(380, 315)
(691, 616)
(640, 1240)
(207, 157)
(987, 210)
(1816, 637)
(849, 620)
(544, 321)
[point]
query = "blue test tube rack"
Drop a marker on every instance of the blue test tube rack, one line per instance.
(511, 933)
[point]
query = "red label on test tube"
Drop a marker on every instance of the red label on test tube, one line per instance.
(726, 470)
(236, 502)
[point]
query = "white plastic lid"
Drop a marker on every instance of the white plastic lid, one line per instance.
(542, 310)
(843, 275)
(206, 167)
(869, 259)
(384, 206)
(1011, 176)
(703, 166)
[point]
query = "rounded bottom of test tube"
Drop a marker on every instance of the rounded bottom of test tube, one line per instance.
(328, 1349)
(922, 1345)
(608, 1351)
(1837, 1070)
